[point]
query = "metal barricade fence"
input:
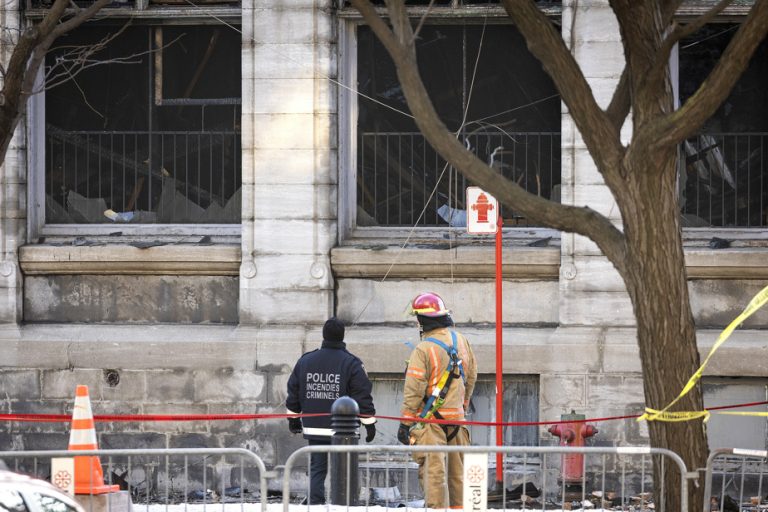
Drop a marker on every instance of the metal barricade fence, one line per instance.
(175, 476)
(618, 478)
(734, 480)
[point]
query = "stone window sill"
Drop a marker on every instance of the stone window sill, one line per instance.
(374, 261)
(378, 259)
(170, 259)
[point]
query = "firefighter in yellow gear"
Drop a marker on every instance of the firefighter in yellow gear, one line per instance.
(439, 381)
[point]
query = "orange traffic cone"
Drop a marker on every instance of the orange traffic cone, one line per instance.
(89, 478)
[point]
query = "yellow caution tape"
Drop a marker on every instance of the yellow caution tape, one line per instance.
(756, 303)
(746, 413)
(694, 415)
(676, 415)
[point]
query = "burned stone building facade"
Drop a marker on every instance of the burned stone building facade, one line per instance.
(190, 199)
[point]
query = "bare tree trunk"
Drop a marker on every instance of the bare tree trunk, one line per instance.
(665, 327)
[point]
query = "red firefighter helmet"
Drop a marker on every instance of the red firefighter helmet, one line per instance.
(429, 304)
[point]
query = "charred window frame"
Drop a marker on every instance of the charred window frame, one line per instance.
(146, 143)
(723, 176)
(388, 170)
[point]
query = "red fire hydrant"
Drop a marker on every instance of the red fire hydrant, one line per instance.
(482, 207)
(572, 434)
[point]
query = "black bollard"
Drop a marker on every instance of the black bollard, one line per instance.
(345, 423)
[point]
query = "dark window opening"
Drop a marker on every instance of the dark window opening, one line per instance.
(512, 122)
(723, 182)
(151, 134)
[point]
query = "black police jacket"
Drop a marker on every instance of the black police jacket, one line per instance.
(322, 376)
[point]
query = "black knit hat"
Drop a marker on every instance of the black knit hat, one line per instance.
(333, 330)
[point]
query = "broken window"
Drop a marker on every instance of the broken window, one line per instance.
(486, 87)
(723, 180)
(142, 125)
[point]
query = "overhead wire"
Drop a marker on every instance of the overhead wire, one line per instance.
(439, 179)
(712, 36)
(467, 102)
(319, 75)
(363, 95)
(434, 189)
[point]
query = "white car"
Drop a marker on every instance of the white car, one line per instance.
(19, 493)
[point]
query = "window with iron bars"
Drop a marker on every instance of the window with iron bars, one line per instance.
(723, 178)
(487, 88)
(142, 125)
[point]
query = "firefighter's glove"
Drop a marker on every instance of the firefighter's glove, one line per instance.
(370, 432)
(294, 425)
(404, 434)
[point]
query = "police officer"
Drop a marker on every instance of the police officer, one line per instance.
(439, 382)
(317, 380)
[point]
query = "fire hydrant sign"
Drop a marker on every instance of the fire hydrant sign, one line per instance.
(475, 482)
(63, 474)
(482, 212)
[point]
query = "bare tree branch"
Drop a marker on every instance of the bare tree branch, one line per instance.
(423, 19)
(687, 120)
(13, 100)
(683, 31)
(598, 130)
(668, 10)
(618, 109)
(26, 59)
(75, 58)
(680, 32)
(85, 98)
(47, 39)
(641, 30)
(401, 26)
(583, 221)
(380, 28)
(78, 19)
(78, 58)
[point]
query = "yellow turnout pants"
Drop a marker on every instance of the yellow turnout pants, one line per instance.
(440, 474)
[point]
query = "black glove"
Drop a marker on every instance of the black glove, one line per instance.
(370, 431)
(294, 425)
(404, 434)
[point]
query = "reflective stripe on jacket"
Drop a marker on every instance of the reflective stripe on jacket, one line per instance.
(426, 365)
(322, 376)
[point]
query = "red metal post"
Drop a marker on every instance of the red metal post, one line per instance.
(499, 358)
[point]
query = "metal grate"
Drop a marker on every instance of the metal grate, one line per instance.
(723, 180)
(397, 172)
(191, 177)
